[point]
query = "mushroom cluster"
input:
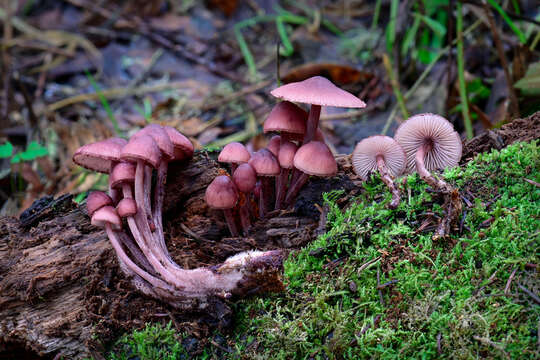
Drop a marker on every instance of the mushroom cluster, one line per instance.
(423, 143)
(134, 199)
(273, 176)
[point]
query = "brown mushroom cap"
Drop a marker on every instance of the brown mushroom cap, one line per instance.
(221, 193)
(126, 207)
(288, 118)
(122, 173)
(142, 148)
(245, 178)
(431, 129)
(183, 148)
(98, 156)
(364, 156)
(286, 154)
(107, 215)
(318, 90)
(96, 200)
(235, 153)
(265, 163)
(315, 158)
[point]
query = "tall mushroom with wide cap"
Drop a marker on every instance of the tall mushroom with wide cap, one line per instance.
(317, 91)
(380, 153)
(430, 143)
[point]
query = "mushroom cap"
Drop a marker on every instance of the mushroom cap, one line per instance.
(107, 215)
(96, 200)
(221, 193)
(160, 136)
(142, 148)
(98, 156)
(274, 144)
(235, 153)
(318, 90)
(430, 128)
(286, 154)
(286, 117)
(315, 158)
(126, 207)
(245, 178)
(123, 172)
(183, 148)
(364, 156)
(265, 163)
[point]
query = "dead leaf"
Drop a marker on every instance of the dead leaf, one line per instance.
(337, 73)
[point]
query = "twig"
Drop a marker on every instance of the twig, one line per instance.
(386, 284)
(530, 293)
(509, 282)
(487, 341)
(489, 281)
(514, 106)
(368, 325)
(532, 182)
(439, 350)
(381, 299)
(368, 264)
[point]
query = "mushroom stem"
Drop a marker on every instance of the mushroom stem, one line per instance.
(281, 187)
(266, 192)
(437, 184)
(158, 206)
(295, 188)
(135, 252)
(147, 195)
(245, 217)
(312, 123)
(383, 171)
(229, 217)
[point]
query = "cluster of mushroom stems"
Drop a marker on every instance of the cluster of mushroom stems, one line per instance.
(135, 200)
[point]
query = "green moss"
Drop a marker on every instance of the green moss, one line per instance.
(452, 290)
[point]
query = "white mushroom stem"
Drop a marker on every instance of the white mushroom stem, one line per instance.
(312, 123)
(295, 188)
(147, 195)
(436, 184)
(387, 179)
(136, 252)
(158, 206)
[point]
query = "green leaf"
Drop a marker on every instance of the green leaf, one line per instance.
(16, 158)
(6, 150)
(530, 83)
(438, 28)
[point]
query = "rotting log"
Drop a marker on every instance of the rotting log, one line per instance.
(61, 291)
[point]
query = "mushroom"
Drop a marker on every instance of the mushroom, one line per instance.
(96, 200)
(317, 91)
(235, 154)
(266, 166)
(286, 161)
(274, 144)
(384, 154)
(221, 194)
(313, 158)
(245, 179)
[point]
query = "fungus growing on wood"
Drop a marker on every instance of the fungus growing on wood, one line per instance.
(266, 166)
(245, 179)
(221, 194)
(274, 144)
(384, 154)
(286, 161)
(235, 154)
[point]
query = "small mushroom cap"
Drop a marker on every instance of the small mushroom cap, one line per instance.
(221, 193)
(107, 215)
(98, 156)
(183, 148)
(364, 156)
(274, 144)
(142, 148)
(161, 138)
(245, 178)
(123, 172)
(318, 90)
(432, 129)
(265, 163)
(235, 153)
(288, 118)
(96, 200)
(286, 154)
(315, 158)
(126, 207)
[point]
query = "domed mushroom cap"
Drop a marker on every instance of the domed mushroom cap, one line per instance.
(274, 144)
(265, 163)
(99, 155)
(107, 215)
(160, 136)
(142, 148)
(245, 178)
(286, 155)
(96, 200)
(126, 207)
(235, 153)
(183, 148)
(221, 193)
(315, 158)
(364, 156)
(122, 173)
(430, 129)
(286, 117)
(318, 90)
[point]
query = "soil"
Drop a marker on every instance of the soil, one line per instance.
(61, 290)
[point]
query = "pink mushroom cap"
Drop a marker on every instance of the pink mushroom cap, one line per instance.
(286, 117)
(160, 136)
(126, 207)
(183, 148)
(318, 90)
(364, 156)
(315, 158)
(286, 154)
(96, 200)
(235, 153)
(221, 193)
(122, 173)
(142, 148)
(107, 215)
(265, 163)
(274, 144)
(245, 178)
(98, 156)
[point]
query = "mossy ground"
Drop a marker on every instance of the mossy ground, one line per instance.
(446, 299)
